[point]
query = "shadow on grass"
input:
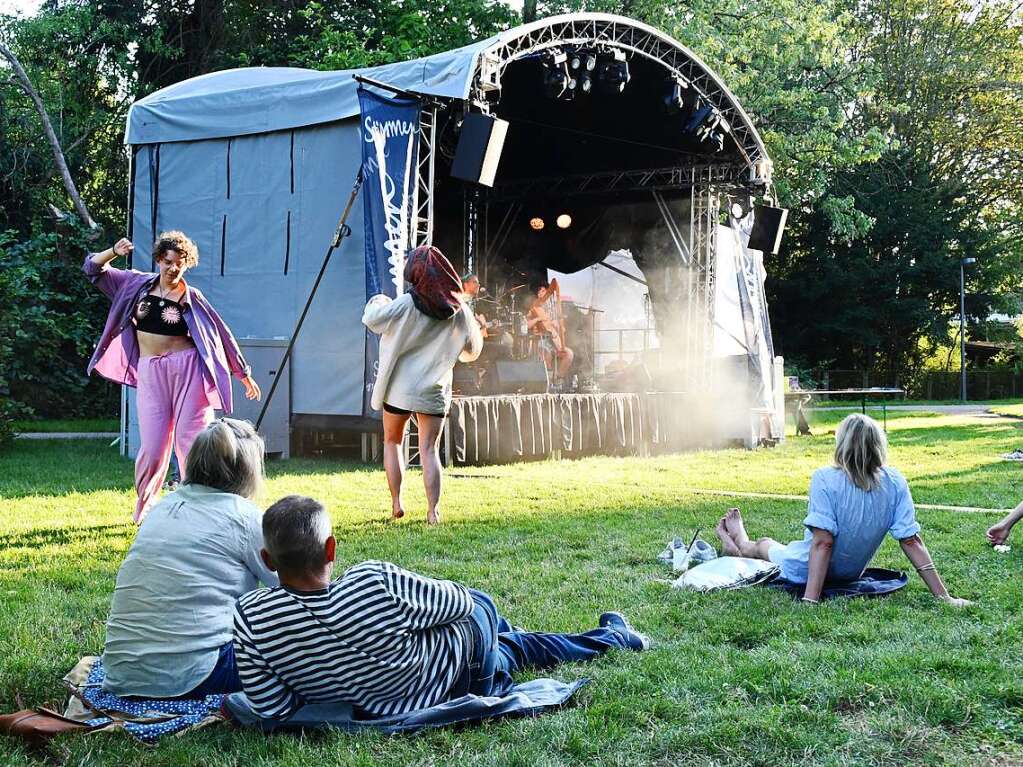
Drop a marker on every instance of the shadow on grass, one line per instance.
(42, 537)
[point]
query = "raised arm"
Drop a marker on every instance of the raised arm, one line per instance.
(105, 277)
(474, 341)
(915, 551)
(820, 559)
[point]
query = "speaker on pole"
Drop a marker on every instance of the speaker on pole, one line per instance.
(479, 148)
(768, 227)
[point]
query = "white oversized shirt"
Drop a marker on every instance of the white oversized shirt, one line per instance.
(196, 552)
(418, 353)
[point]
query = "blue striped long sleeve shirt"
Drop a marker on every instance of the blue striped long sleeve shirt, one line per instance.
(380, 637)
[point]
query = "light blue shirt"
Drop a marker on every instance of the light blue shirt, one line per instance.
(196, 552)
(858, 519)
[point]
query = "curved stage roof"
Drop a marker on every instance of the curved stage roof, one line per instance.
(263, 99)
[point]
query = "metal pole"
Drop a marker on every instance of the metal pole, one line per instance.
(962, 330)
(342, 231)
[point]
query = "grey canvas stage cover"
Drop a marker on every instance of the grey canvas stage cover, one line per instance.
(255, 165)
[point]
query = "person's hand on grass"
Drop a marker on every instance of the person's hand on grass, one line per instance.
(999, 533)
(956, 601)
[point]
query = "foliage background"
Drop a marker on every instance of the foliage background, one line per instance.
(896, 131)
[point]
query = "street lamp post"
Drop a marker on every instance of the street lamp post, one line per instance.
(963, 263)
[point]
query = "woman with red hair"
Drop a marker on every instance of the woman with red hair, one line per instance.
(423, 332)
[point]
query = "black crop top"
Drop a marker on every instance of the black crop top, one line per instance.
(161, 316)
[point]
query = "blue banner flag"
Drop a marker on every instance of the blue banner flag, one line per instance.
(390, 160)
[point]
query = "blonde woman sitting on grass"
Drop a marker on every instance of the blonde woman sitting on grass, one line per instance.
(852, 505)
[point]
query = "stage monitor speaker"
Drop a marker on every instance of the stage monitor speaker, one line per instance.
(520, 376)
(479, 148)
(768, 227)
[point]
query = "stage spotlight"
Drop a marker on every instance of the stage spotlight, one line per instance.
(699, 117)
(591, 62)
(536, 223)
(575, 62)
(555, 77)
(674, 99)
(585, 83)
(564, 221)
(614, 74)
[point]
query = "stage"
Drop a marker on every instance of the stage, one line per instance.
(515, 427)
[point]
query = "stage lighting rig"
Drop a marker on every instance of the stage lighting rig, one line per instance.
(681, 98)
(613, 73)
(564, 221)
(536, 223)
(556, 79)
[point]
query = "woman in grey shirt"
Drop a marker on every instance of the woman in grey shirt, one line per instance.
(169, 631)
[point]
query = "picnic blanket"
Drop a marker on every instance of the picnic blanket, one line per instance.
(149, 719)
(524, 699)
(875, 582)
(145, 719)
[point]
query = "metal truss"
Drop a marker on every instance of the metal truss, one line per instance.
(595, 30)
(423, 202)
(704, 216)
(621, 181)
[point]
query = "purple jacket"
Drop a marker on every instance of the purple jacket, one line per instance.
(117, 353)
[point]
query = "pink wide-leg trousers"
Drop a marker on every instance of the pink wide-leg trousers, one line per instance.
(173, 408)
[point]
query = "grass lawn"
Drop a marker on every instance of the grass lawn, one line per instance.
(72, 425)
(743, 678)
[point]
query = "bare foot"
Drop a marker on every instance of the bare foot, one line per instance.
(397, 514)
(728, 547)
(433, 518)
(735, 527)
(999, 533)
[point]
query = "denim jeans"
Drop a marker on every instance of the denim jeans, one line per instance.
(500, 649)
(222, 679)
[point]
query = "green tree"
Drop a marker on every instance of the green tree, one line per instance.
(948, 99)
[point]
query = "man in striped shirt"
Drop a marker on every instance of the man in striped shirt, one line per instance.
(381, 638)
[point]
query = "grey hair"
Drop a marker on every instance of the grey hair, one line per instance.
(227, 455)
(861, 449)
(295, 531)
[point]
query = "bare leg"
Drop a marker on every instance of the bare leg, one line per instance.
(394, 463)
(429, 453)
(565, 359)
(735, 527)
(728, 547)
(732, 527)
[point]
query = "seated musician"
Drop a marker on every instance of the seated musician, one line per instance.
(546, 319)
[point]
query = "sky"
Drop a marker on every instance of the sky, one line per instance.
(21, 7)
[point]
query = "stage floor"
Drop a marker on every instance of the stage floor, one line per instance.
(514, 427)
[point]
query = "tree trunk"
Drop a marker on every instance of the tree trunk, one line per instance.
(528, 11)
(51, 136)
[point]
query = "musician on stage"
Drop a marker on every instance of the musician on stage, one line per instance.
(546, 320)
(470, 292)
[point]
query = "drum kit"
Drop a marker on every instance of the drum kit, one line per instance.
(508, 335)
(512, 359)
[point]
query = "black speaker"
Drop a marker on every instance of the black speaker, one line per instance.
(519, 377)
(479, 148)
(768, 227)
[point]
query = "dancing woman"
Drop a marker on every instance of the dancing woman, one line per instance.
(163, 337)
(422, 334)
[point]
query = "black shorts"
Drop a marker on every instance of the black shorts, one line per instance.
(399, 411)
